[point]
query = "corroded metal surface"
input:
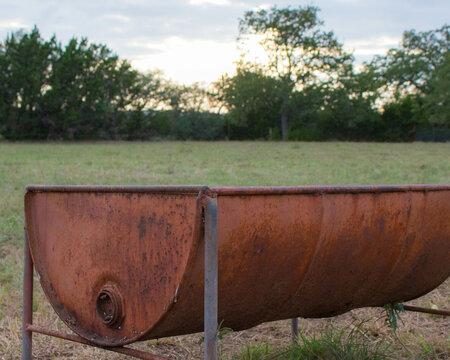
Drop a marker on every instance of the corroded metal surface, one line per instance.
(121, 264)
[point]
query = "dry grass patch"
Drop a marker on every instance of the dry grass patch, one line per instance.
(218, 163)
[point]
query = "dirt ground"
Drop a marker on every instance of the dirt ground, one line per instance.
(419, 335)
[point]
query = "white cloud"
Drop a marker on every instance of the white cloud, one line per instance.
(372, 46)
(146, 44)
(209, 2)
(263, 7)
(118, 17)
(370, 51)
(117, 29)
(350, 2)
(13, 24)
(384, 41)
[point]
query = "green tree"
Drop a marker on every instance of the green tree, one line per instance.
(253, 101)
(400, 119)
(90, 91)
(25, 65)
(321, 112)
(300, 53)
(181, 97)
(417, 71)
(80, 91)
(437, 101)
(349, 111)
(411, 67)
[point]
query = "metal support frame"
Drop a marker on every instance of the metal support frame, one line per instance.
(211, 275)
(441, 312)
(27, 300)
(294, 329)
(210, 298)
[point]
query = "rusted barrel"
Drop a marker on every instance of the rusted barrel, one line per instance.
(122, 264)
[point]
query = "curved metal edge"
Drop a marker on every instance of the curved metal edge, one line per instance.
(179, 189)
(203, 193)
(346, 189)
(237, 190)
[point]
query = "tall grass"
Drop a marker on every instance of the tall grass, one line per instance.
(330, 344)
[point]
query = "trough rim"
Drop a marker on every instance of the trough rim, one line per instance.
(239, 190)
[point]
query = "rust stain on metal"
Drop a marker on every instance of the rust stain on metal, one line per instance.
(122, 264)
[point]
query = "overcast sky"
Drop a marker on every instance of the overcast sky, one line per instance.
(194, 40)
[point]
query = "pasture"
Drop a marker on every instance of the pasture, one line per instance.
(226, 164)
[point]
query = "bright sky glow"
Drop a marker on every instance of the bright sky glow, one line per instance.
(195, 40)
(189, 61)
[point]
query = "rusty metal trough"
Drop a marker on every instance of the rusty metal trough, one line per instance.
(124, 264)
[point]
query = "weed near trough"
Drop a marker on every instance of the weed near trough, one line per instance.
(330, 344)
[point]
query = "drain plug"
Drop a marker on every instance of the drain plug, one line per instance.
(110, 305)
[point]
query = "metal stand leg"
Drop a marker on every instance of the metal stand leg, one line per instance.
(294, 329)
(27, 301)
(211, 274)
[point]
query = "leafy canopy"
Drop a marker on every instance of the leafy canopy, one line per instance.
(413, 65)
(297, 48)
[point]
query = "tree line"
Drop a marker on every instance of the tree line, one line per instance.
(308, 89)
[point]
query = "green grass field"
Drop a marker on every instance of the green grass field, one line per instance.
(222, 163)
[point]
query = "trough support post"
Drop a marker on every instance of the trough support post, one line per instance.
(27, 319)
(210, 281)
(294, 329)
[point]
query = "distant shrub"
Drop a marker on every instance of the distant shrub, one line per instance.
(173, 125)
(194, 125)
(433, 134)
(306, 133)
